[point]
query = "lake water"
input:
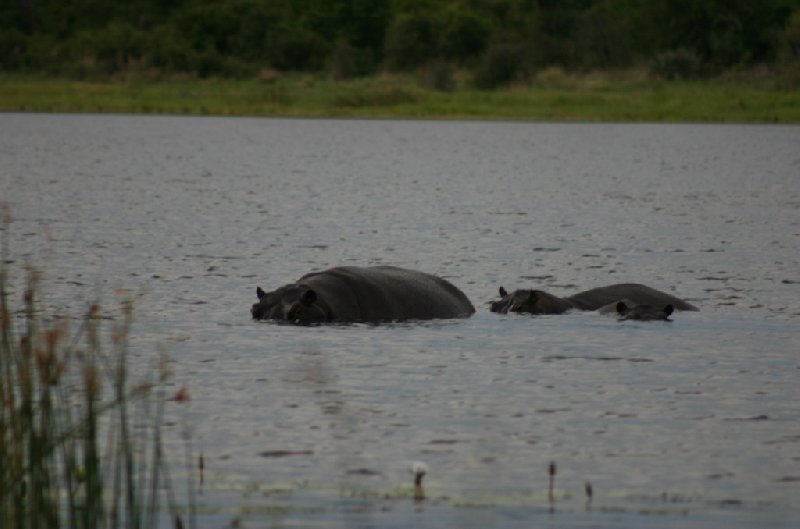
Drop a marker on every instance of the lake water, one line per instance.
(694, 423)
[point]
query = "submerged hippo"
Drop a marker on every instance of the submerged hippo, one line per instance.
(634, 295)
(629, 310)
(349, 294)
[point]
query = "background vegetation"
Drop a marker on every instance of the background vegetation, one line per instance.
(491, 43)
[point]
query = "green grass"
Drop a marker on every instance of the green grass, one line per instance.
(554, 95)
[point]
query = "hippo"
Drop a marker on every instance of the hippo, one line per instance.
(633, 294)
(350, 294)
(630, 310)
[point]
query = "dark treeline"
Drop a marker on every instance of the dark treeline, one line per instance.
(497, 41)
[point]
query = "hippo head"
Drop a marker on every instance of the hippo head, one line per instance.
(528, 301)
(643, 312)
(295, 303)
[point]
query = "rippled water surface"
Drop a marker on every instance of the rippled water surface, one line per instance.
(694, 423)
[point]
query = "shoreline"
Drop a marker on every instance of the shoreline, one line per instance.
(557, 97)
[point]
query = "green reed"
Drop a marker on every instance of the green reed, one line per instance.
(80, 444)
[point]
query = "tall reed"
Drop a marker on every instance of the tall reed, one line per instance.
(80, 444)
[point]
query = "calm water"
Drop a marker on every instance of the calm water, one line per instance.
(694, 423)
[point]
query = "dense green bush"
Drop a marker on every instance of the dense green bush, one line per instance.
(13, 49)
(603, 39)
(114, 47)
(346, 61)
(790, 37)
(502, 64)
(440, 76)
(414, 39)
(464, 35)
(354, 37)
(682, 63)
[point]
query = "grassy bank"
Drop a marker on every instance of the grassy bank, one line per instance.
(554, 95)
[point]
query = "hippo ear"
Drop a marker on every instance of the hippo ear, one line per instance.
(668, 309)
(622, 308)
(260, 293)
(308, 297)
(503, 292)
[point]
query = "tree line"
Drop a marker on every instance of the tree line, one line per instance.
(497, 41)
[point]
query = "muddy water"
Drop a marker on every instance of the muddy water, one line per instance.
(693, 423)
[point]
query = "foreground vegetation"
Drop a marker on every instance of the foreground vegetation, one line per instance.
(80, 444)
(553, 95)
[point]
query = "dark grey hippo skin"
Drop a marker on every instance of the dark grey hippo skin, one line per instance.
(539, 302)
(350, 294)
(627, 309)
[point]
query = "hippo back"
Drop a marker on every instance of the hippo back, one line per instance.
(530, 302)
(386, 293)
(635, 293)
(627, 309)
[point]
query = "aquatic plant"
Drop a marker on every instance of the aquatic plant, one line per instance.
(80, 445)
(589, 494)
(418, 469)
(551, 471)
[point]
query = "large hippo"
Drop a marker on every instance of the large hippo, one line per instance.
(632, 295)
(348, 294)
